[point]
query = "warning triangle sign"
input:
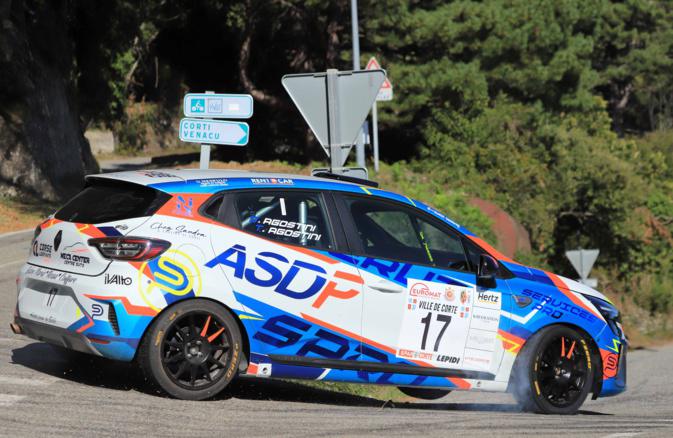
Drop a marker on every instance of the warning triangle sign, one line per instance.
(386, 90)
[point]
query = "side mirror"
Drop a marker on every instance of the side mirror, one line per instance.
(487, 271)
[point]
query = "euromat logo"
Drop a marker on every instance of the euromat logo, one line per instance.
(422, 290)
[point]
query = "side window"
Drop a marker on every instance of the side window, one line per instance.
(296, 218)
(445, 248)
(395, 232)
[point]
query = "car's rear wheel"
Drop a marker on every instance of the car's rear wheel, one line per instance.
(424, 393)
(554, 372)
(192, 350)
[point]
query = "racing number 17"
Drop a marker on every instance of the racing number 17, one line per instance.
(446, 319)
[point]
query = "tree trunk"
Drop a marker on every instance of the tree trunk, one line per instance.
(42, 147)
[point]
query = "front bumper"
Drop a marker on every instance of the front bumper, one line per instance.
(614, 371)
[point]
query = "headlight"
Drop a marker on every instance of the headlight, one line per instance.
(610, 313)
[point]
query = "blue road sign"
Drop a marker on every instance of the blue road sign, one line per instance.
(214, 132)
(218, 106)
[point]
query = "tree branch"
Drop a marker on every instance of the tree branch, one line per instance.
(244, 63)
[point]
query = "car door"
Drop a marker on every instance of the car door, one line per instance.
(421, 303)
(278, 252)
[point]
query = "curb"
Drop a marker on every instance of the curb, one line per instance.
(14, 233)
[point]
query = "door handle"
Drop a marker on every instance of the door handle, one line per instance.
(387, 287)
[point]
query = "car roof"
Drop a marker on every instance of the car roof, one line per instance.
(209, 181)
(155, 176)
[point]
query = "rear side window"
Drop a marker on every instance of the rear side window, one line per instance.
(297, 218)
(106, 201)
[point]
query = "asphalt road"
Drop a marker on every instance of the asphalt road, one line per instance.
(45, 391)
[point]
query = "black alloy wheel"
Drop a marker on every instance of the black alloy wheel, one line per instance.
(561, 371)
(196, 350)
(192, 350)
(554, 372)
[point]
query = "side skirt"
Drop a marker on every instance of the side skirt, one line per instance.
(357, 365)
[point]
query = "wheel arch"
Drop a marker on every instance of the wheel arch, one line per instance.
(244, 334)
(597, 384)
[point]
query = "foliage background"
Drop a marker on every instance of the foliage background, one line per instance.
(559, 111)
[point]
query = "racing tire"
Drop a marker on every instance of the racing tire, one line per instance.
(554, 372)
(192, 350)
(424, 393)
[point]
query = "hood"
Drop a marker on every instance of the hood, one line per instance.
(583, 289)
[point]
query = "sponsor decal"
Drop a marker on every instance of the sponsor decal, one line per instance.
(178, 230)
(118, 279)
(485, 319)
(481, 340)
(433, 330)
(41, 249)
(96, 310)
(279, 181)
(172, 276)
(478, 359)
(488, 297)
(448, 359)
(75, 260)
(72, 255)
(423, 291)
(296, 279)
(51, 296)
(156, 174)
(183, 206)
(281, 227)
(610, 363)
(210, 182)
(77, 247)
(464, 296)
(556, 308)
(441, 216)
(122, 227)
(64, 277)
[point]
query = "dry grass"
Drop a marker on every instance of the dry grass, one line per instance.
(27, 213)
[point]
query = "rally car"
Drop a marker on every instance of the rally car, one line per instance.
(202, 275)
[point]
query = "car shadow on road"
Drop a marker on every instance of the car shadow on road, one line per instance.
(105, 373)
(77, 367)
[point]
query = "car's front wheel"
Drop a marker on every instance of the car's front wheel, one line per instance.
(192, 350)
(554, 372)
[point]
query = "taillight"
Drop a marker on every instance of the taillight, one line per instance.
(129, 248)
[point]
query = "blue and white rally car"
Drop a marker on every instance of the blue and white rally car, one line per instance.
(201, 275)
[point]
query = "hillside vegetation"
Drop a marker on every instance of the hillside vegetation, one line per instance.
(559, 112)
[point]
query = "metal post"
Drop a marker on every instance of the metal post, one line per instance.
(359, 146)
(204, 158)
(333, 118)
(375, 137)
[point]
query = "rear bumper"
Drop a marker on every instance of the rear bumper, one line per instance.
(82, 313)
(54, 335)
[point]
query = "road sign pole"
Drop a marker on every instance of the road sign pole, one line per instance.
(333, 117)
(359, 145)
(375, 137)
(205, 156)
